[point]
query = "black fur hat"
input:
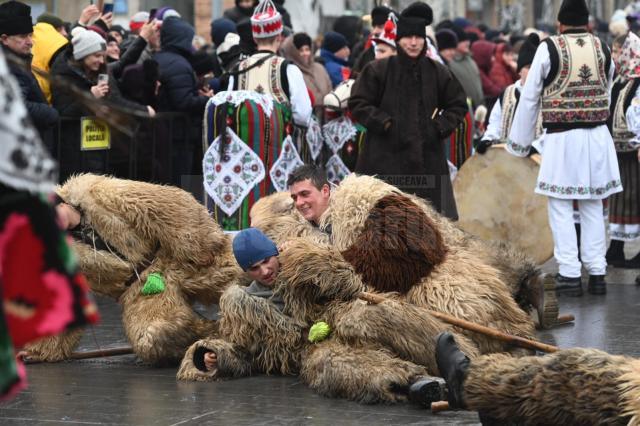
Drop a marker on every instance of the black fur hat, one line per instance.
(528, 51)
(574, 13)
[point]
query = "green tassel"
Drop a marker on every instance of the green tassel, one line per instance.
(66, 255)
(319, 331)
(154, 285)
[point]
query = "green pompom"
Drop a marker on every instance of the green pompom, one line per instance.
(319, 331)
(154, 285)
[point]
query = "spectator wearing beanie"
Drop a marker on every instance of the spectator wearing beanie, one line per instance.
(80, 66)
(463, 67)
(298, 49)
(226, 41)
(118, 32)
(137, 21)
(16, 37)
(335, 53)
(447, 44)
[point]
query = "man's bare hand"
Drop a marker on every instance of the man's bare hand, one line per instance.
(210, 361)
(88, 14)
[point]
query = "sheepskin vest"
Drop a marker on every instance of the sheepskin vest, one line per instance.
(575, 93)
(509, 103)
(621, 95)
(267, 77)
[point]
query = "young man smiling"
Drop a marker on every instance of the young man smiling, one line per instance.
(310, 191)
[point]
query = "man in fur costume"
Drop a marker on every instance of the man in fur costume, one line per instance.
(264, 327)
(569, 387)
(155, 250)
(339, 216)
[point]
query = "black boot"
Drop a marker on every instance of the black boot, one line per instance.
(453, 366)
(427, 390)
(568, 286)
(633, 263)
(615, 254)
(578, 229)
(597, 284)
(638, 280)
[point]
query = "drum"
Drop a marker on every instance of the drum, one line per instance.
(495, 196)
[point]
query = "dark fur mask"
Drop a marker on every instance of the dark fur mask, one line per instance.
(398, 247)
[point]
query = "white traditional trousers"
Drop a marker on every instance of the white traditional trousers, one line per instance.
(593, 245)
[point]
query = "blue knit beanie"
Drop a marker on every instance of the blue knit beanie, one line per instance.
(333, 41)
(251, 246)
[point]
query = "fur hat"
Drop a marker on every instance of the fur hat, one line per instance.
(388, 35)
(574, 13)
(266, 21)
(413, 20)
(15, 18)
(85, 42)
(302, 39)
(446, 39)
(333, 41)
(528, 51)
(250, 246)
(379, 15)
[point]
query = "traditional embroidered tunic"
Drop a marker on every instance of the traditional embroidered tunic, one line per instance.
(267, 78)
(569, 83)
(578, 163)
(502, 113)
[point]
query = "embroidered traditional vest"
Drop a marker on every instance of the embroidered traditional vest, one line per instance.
(265, 78)
(621, 96)
(575, 93)
(509, 104)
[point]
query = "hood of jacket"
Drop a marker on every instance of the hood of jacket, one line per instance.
(47, 41)
(177, 34)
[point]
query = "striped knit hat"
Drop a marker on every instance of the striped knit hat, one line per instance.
(266, 20)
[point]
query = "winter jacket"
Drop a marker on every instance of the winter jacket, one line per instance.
(468, 74)
(408, 107)
(42, 115)
(178, 89)
(501, 73)
(72, 159)
(482, 54)
(337, 68)
(47, 43)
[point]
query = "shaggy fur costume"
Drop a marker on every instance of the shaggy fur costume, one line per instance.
(162, 225)
(414, 251)
(364, 359)
(569, 387)
(362, 202)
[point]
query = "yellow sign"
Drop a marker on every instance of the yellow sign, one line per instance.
(94, 134)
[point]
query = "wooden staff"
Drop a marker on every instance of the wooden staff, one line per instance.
(99, 353)
(437, 407)
(468, 325)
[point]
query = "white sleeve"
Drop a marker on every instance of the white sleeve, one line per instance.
(523, 129)
(494, 128)
(300, 102)
(633, 119)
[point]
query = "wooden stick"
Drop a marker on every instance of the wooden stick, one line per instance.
(437, 407)
(99, 353)
(468, 325)
(102, 353)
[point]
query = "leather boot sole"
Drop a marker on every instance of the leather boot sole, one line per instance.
(548, 314)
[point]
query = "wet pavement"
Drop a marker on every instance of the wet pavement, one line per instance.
(120, 391)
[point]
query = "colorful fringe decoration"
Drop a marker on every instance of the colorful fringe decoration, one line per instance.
(460, 143)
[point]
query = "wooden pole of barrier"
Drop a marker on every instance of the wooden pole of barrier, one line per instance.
(468, 325)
